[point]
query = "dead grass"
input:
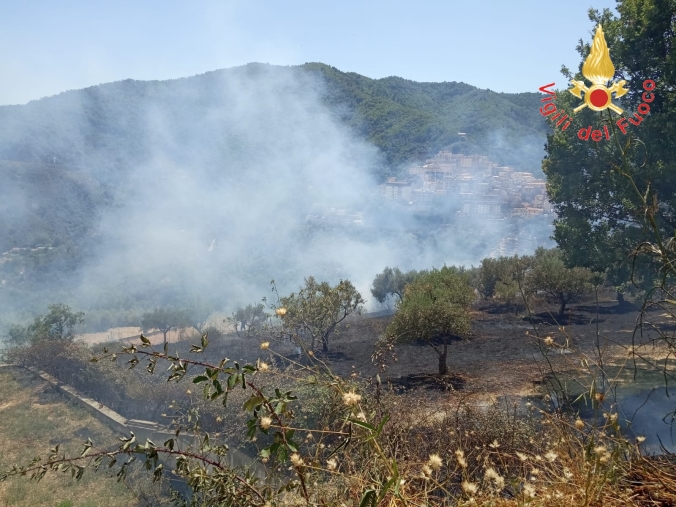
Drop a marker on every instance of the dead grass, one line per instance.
(34, 419)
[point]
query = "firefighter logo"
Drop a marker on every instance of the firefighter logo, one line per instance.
(598, 68)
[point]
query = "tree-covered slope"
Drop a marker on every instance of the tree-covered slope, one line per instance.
(106, 125)
(409, 121)
(145, 177)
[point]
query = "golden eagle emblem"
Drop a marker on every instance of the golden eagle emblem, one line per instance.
(598, 68)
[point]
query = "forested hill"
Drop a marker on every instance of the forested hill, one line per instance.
(235, 155)
(76, 151)
(106, 126)
(409, 121)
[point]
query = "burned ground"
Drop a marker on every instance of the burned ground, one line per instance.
(501, 356)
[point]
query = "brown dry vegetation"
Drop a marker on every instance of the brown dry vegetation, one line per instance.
(509, 456)
(35, 418)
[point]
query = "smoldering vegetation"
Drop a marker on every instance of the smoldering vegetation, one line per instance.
(131, 195)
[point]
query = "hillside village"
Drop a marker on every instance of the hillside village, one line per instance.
(471, 184)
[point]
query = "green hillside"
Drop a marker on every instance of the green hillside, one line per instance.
(406, 120)
(410, 121)
(70, 149)
(256, 134)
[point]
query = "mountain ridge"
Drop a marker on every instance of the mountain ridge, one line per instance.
(73, 163)
(407, 121)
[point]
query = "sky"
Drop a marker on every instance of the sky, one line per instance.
(48, 47)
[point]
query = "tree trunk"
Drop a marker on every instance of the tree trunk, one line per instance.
(164, 332)
(443, 367)
(562, 308)
(325, 345)
(620, 298)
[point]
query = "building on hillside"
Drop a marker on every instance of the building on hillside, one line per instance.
(324, 216)
(395, 189)
(480, 187)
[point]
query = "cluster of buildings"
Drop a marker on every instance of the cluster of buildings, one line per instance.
(472, 185)
(326, 216)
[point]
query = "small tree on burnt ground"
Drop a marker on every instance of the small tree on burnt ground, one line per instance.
(435, 308)
(249, 319)
(316, 309)
(197, 311)
(504, 279)
(164, 319)
(559, 283)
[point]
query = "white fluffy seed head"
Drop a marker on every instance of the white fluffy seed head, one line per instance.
(435, 461)
(351, 399)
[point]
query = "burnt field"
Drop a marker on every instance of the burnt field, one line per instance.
(502, 356)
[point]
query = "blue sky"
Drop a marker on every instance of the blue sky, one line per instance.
(508, 46)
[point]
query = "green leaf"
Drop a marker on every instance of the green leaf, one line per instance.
(363, 424)
(343, 444)
(386, 488)
(382, 424)
(200, 378)
(253, 402)
(397, 483)
(368, 499)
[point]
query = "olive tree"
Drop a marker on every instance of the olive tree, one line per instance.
(314, 312)
(392, 282)
(435, 307)
(197, 311)
(163, 319)
(504, 279)
(558, 282)
(249, 318)
(59, 323)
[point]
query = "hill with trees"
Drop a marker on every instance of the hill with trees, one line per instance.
(105, 126)
(69, 163)
(410, 121)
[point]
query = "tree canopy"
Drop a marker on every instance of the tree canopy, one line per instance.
(600, 213)
(392, 282)
(59, 323)
(560, 283)
(313, 313)
(197, 311)
(164, 319)
(504, 279)
(435, 308)
(249, 318)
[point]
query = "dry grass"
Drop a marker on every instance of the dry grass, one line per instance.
(456, 452)
(34, 419)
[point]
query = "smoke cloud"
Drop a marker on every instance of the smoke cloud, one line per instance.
(206, 184)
